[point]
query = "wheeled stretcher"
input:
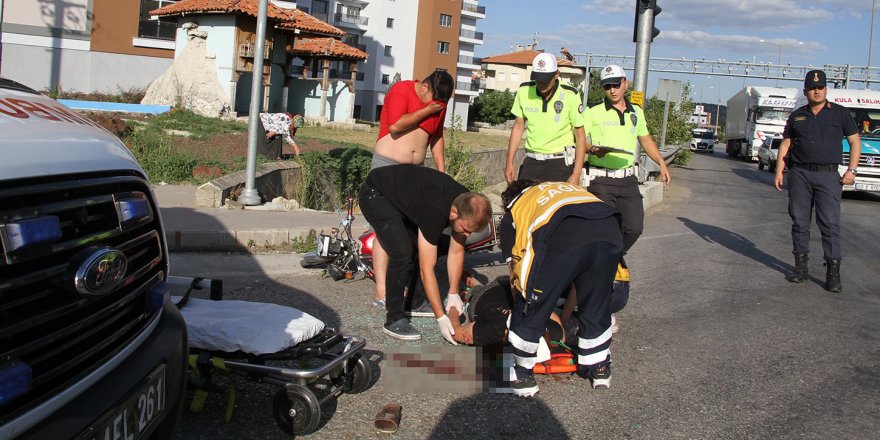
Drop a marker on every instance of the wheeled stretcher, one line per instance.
(273, 344)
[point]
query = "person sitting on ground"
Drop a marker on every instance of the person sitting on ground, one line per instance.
(276, 126)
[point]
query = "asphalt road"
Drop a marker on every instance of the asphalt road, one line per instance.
(713, 344)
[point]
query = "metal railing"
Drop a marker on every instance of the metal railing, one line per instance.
(470, 86)
(339, 17)
(471, 34)
(469, 60)
(472, 8)
(317, 74)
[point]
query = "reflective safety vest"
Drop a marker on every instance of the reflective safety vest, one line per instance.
(536, 213)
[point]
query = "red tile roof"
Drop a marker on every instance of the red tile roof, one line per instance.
(306, 22)
(247, 7)
(327, 47)
(521, 58)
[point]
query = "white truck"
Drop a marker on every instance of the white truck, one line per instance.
(864, 105)
(754, 114)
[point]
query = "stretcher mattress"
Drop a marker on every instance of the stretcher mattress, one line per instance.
(250, 327)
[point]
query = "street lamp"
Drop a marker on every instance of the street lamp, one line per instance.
(779, 57)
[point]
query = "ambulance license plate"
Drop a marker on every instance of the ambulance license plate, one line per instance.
(134, 415)
(867, 186)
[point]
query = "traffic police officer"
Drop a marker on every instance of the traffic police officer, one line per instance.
(613, 176)
(812, 143)
(550, 114)
(543, 240)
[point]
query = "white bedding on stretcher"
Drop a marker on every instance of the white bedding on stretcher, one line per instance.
(251, 327)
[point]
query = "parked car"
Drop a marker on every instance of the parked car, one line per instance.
(767, 153)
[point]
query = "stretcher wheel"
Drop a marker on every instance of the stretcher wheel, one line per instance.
(360, 375)
(296, 409)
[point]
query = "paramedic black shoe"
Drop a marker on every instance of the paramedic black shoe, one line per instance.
(424, 310)
(523, 384)
(599, 376)
(403, 330)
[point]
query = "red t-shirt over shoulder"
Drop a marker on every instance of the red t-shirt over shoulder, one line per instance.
(402, 99)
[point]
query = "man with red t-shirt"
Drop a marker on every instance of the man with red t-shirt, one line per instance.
(412, 120)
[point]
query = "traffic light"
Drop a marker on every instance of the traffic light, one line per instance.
(646, 7)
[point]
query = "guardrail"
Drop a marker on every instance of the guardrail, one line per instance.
(647, 167)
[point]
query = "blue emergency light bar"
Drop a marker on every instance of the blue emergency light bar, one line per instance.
(23, 233)
(15, 380)
(133, 210)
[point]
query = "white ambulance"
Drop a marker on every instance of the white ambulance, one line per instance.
(90, 345)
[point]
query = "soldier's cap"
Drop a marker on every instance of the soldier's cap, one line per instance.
(814, 78)
(612, 74)
(544, 67)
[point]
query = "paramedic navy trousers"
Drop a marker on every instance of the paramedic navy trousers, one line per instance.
(820, 190)
(591, 268)
(623, 193)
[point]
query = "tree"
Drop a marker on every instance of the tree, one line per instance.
(493, 106)
(678, 127)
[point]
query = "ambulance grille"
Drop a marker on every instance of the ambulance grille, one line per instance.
(60, 334)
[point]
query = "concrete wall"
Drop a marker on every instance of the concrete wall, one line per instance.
(79, 70)
(304, 96)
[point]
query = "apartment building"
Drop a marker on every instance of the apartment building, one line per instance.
(84, 45)
(507, 71)
(407, 39)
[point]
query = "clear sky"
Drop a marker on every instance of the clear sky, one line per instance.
(832, 32)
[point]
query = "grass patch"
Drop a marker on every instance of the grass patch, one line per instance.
(199, 127)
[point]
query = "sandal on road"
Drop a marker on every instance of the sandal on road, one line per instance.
(388, 419)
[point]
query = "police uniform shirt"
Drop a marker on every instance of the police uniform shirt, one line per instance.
(549, 122)
(609, 127)
(817, 139)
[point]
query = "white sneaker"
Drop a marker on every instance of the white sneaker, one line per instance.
(614, 326)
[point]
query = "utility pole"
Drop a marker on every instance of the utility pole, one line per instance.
(250, 196)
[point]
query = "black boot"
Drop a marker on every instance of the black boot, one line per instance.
(801, 271)
(832, 275)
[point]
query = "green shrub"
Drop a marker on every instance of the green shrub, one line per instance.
(329, 178)
(460, 161)
(683, 156)
(304, 243)
(160, 160)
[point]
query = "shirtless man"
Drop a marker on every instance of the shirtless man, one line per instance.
(412, 121)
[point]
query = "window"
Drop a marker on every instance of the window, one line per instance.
(445, 20)
(442, 47)
(514, 77)
(356, 112)
(385, 78)
(319, 6)
(387, 51)
(150, 27)
(500, 76)
(378, 112)
(350, 39)
(389, 23)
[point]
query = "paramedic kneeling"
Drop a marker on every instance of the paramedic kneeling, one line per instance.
(553, 235)
(406, 201)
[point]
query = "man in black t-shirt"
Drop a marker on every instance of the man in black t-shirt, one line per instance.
(402, 201)
(813, 137)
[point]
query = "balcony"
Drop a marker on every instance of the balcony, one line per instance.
(469, 62)
(467, 88)
(351, 21)
(471, 10)
(344, 75)
(472, 37)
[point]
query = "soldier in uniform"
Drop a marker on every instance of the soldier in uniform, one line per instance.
(811, 144)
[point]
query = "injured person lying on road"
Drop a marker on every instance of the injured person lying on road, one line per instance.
(487, 317)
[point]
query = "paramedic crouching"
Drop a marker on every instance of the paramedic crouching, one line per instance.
(553, 235)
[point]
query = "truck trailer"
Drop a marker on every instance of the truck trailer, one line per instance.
(753, 115)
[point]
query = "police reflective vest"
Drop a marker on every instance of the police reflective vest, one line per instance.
(536, 213)
(609, 127)
(549, 123)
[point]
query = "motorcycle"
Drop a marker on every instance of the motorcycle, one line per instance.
(345, 257)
